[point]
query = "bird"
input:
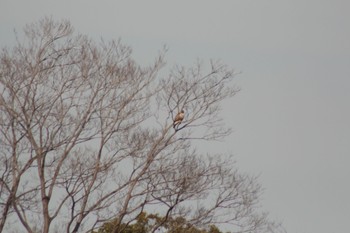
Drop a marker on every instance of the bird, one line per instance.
(178, 118)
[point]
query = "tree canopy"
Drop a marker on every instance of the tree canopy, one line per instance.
(87, 137)
(145, 223)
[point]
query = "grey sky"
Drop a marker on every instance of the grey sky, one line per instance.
(291, 119)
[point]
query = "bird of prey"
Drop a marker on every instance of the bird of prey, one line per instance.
(178, 118)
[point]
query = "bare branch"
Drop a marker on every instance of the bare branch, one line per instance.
(87, 136)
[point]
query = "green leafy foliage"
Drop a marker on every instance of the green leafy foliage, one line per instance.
(146, 223)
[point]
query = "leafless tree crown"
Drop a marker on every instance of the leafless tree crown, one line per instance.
(86, 136)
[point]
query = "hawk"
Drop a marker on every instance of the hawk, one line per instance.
(178, 118)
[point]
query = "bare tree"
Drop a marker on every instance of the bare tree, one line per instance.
(86, 136)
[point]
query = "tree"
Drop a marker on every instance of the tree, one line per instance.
(87, 136)
(147, 222)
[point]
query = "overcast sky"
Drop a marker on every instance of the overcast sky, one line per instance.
(291, 119)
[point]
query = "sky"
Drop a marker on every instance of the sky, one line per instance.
(291, 117)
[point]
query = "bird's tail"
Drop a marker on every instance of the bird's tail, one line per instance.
(175, 124)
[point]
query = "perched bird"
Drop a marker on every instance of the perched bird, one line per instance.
(178, 118)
